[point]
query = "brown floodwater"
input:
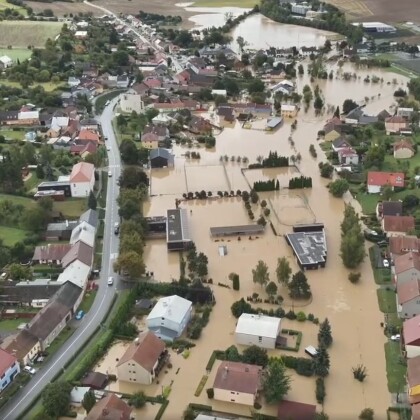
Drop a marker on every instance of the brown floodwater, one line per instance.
(352, 309)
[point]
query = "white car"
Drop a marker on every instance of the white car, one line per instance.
(109, 174)
(385, 263)
(30, 370)
(395, 337)
(108, 149)
(110, 281)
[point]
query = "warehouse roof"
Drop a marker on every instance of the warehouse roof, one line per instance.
(261, 325)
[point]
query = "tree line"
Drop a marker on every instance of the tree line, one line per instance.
(300, 182)
(269, 185)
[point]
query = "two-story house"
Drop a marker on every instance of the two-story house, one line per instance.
(9, 368)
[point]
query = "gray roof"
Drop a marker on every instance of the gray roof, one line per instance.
(160, 152)
(309, 247)
(177, 226)
(236, 230)
(89, 121)
(392, 208)
(355, 113)
(368, 119)
(26, 292)
(90, 217)
(62, 226)
(274, 122)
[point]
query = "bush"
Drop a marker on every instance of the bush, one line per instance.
(210, 393)
(137, 400)
(257, 405)
(290, 361)
(290, 315)
(320, 390)
(304, 367)
(354, 277)
(366, 414)
(300, 316)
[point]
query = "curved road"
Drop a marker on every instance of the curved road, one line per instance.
(24, 398)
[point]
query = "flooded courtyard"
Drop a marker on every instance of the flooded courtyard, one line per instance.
(352, 309)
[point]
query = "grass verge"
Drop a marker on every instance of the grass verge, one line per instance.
(395, 368)
(386, 300)
(87, 301)
(8, 325)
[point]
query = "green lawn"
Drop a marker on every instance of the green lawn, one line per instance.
(71, 207)
(48, 87)
(16, 53)
(32, 182)
(226, 3)
(5, 5)
(395, 370)
(87, 301)
(368, 201)
(9, 325)
(11, 235)
(387, 301)
(16, 199)
(13, 134)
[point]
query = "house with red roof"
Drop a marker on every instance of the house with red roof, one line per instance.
(9, 368)
(288, 410)
(82, 179)
(110, 408)
(89, 135)
(408, 296)
(411, 337)
(396, 225)
(377, 180)
(407, 267)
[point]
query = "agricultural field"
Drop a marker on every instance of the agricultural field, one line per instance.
(5, 5)
(16, 53)
(62, 8)
(27, 33)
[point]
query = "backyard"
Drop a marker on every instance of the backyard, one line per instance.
(386, 300)
(395, 369)
(16, 53)
(10, 325)
(71, 208)
(11, 236)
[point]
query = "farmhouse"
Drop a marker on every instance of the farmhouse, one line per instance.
(396, 225)
(403, 149)
(411, 337)
(83, 232)
(348, 156)
(237, 382)
(309, 245)
(177, 231)
(50, 254)
(143, 360)
(5, 62)
(169, 317)
(408, 295)
(24, 346)
(377, 180)
(9, 368)
(395, 124)
(82, 179)
(258, 330)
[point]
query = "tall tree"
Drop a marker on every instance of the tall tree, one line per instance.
(271, 289)
(283, 271)
(89, 400)
(130, 263)
(255, 355)
(324, 335)
(299, 287)
(56, 398)
(260, 274)
(275, 381)
(352, 249)
(321, 362)
(92, 202)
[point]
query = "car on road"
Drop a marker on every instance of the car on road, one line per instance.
(108, 149)
(106, 138)
(396, 337)
(79, 315)
(117, 230)
(385, 263)
(30, 370)
(109, 173)
(110, 281)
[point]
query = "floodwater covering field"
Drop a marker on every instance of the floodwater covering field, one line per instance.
(352, 309)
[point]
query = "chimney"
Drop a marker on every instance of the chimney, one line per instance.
(105, 412)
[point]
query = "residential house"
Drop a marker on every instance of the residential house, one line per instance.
(51, 320)
(288, 110)
(289, 410)
(28, 117)
(389, 208)
(354, 115)
(348, 156)
(383, 115)
(404, 149)
(90, 217)
(163, 119)
(110, 407)
(5, 62)
(405, 112)
(413, 380)
(411, 337)
(73, 81)
(81, 34)
(407, 267)
(50, 254)
(80, 251)
(84, 149)
(9, 117)
(377, 180)
(226, 113)
(332, 129)
(408, 298)
(9, 368)
(25, 347)
(340, 143)
(150, 141)
(258, 330)
(395, 124)
(285, 86)
(169, 317)
(89, 124)
(82, 179)
(77, 271)
(396, 225)
(161, 158)
(131, 101)
(143, 360)
(60, 231)
(237, 382)
(83, 232)
(160, 131)
(87, 135)
(402, 244)
(95, 380)
(200, 125)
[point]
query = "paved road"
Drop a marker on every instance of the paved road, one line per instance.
(103, 300)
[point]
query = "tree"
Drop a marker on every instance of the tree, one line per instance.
(318, 103)
(375, 156)
(241, 42)
(133, 177)
(92, 202)
(354, 277)
(349, 105)
(367, 414)
(202, 265)
(320, 390)
(40, 174)
(352, 240)
(359, 373)
(240, 307)
(300, 70)
(131, 241)
(338, 187)
(232, 354)
(321, 362)
(386, 192)
(19, 272)
(271, 289)
(129, 153)
(260, 273)
(283, 271)
(89, 400)
(138, 400)
(414, 87)
(299, 287)
(56, 398)
(326, 169)
(35, 219)
(130, 263)
(255, 355)
(324, 334)
(275, 381)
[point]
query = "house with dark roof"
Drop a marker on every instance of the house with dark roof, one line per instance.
(143, 360)
(200, 125)
(9, 368)
(408, 296)
(411, 337)
(161, 158)
(60, 231)
(95, 380)
(237, 382)
(110, 408)
(90, 217)
(160, 131)
(396, 225)
(25, 347)
(340, 143)
(292, 410)
(389, 208)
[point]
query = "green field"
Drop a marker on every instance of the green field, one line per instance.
(71, 207)
(225, 3)
(11, 236)
(5, 5)
(48, 87)
(395, 369)
(13, 134)
(16, 199)
(16, 53)
(25, 33)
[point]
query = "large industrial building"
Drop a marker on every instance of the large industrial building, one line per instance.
(177, 231)
(376, 27)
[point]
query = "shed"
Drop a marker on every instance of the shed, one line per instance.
(95, 380)
(161, 158)
(273, 123)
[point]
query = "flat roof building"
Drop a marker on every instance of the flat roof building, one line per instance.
(177, 230)
(237, 230)
(309, 245)
(274, 123)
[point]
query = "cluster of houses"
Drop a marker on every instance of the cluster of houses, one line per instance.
(58, 300)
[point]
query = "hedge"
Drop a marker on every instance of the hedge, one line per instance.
(162, 409)
(217, 354)
(201, 407)
(298, 340)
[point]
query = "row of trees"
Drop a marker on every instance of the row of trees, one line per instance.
(269, 185)
(352, 249)
(300, 182)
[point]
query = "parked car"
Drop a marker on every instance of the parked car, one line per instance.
(30, 370)
(385, 263)
(79, 315)
(117, 230)
(396, 337)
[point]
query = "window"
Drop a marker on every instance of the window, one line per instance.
(259, 339)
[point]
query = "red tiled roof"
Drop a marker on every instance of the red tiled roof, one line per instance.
(82, 172)
(403, 144)
(152, 83)
(406, 262)
(110, 408)
(413, 371)
(396, 119)
(411, 330)
(88, 135)
(383, 178)
(399, 245)
(6, 360)
(149, 137)
(51, 252)
(292, 410)
(238, 377)
(398, 223)
(146, 352)
(408, 291)
(348, 151)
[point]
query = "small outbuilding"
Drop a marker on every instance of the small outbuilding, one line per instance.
(161, 158)
(257, 330)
